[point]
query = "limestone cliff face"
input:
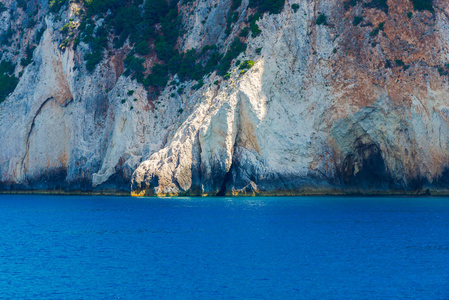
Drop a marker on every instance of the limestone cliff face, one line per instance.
(348, 106)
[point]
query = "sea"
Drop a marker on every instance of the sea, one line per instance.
(101, 247)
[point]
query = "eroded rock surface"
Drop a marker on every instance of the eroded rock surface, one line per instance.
(332, 108)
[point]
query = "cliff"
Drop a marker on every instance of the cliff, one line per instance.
(247, 98)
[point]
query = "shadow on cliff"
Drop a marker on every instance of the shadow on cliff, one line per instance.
(56, 180)
(369, 159)
(53, 179)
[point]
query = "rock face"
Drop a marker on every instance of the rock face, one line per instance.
(348, 106)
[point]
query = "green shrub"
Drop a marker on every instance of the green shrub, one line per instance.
(56, 5)
(22, 4)
(375, 32)
(39, 34)
(29, 51)
(270, 6)
(321, 20)
(130, 92)
(92, 59)
(2, 7)
(443, 71)
(5, 38)
(159, 75)
(188, 68)
(68, 27)
(213, 62)
(423, 5)
(97, 45)
(209, 48)
(120, 20)
(174, 62)
(409, 15)
(8, 81)
(65, 43)
(247, 64)
(357, 20)
(28, 59)
(163, 49)
(399, 62)
(95, 7)
(7, 67)
(170, 25)
(255, 31)
(295, 7)
(232, 18)
(87, 29)
(236, 48)
(133, 64)
(142, 48)
(378, 4)
(236, 4)
(154, 10)
(198, 85)
(244, 32)
(350, 3)
(76, 42)
(30, 22)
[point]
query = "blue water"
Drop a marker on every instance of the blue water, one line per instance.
(68, 247)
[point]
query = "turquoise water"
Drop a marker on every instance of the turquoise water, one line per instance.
(69, 247)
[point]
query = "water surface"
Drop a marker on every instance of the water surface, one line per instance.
(70, 247)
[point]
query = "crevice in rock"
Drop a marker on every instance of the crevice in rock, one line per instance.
(200, 151)
(227, 178)
(174, 178)
(69, 101)
(27, 143)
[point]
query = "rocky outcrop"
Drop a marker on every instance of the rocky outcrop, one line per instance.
(349, 106)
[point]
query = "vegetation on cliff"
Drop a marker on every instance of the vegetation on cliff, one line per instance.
(153, 28)
(148, 32)
(423, 5)
(382, 4)
(8, 81)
